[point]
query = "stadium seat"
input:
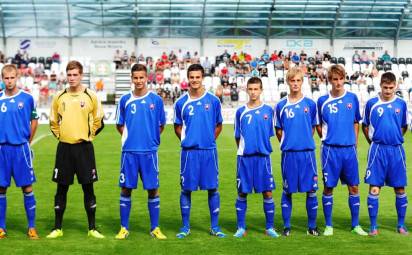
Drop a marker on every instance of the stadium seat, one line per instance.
(402, 61)
(41, 60)
(387, 67)
(380, 61)
(404, 74)
(394, 60)
(379, 67)
(333, 60)
(342, 61)
(33, 60)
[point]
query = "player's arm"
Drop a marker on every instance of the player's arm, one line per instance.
(319, 130)
(178, 131)
(218, 130)
(279, 133)
(365, 130)
(120, 128)
(356, 128)
(55, 118)
(98, 115)
(33, 127)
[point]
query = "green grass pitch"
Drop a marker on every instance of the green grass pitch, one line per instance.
(107, 148)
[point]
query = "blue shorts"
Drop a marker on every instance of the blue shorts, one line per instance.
(144, 164)
(299, 171)
(339, 163)
(254, 173)
(386, 166)
(199, 169)
(16, 161)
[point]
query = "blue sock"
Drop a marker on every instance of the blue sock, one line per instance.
(327, 202)
(125, 206)
(30, 206)
(401, 205)
(286, 204)
(3, 206)
(153, 204)
(185, 204)
(354, 205)
(311, 209)
(214, 208)
(373, 207)
(241, 207)
(269, 209)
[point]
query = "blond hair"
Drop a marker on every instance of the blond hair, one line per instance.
(293, 72)
(7, 68)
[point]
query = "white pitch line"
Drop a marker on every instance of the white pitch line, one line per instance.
(37, 139)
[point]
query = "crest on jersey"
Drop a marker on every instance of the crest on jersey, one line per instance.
(207, 106)
(82, 104)
(306, 109)
(349, 106)
(265, 116)
(397, 110)
(152, 106)
(20, 105)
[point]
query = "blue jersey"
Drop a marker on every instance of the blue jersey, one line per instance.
(198, 118)
(337, 116)
(254, 128)
(16, 114)
(297, 121)
(386, 120)
(141, 118)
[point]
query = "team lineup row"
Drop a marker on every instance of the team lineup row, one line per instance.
(77, 117)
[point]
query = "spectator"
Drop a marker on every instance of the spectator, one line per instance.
(141, 59)
(132, 59)
(235, 58)
(327, 55)
(295, 58)
(187, 58)
(179, 56)
(125, 60)
(356, 57)
(25, 57)
(184, 86)
(2, 57)
(318, 56)
(313, 81)
(99, 85)
(303, 56)
(373, 58)
(265, 56)
(364, 58)
(386, 57)
(225, 56)
(206, 64)
(56, 58)
(274, 57)
(18, 58)
(172, 56)
(164, 57)
(195, 59)
(117, 59)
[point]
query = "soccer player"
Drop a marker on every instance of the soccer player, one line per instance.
(338, 129)
(253, 130)
(198, 123)
(18, 120)
(140, 120)
(384, 123)
(296, 119)
(76, 118)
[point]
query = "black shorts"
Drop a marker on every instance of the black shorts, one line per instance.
(75, 159)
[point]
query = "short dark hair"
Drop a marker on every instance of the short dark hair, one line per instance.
(388, 77)
(138, 68)
(255, 80)
(195, 67)
(74, 64)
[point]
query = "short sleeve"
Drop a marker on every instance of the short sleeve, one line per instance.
(178, 120)
(237, 124)
(120, 112)
(161, 113)
(278, 121)
(357, 109)
(366, 114)
(218, 112)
